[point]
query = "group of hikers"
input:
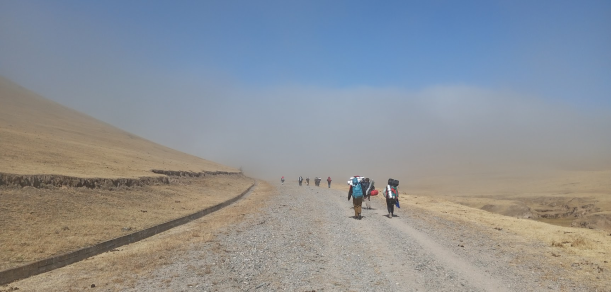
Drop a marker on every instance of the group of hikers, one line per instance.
(362, 189)
(317, 181)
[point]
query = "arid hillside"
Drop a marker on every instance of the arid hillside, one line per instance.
(39, 136)
(69, 181)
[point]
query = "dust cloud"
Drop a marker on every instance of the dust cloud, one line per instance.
(439, 131)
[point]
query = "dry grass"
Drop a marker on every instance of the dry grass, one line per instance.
(559, 197)
(584, 253)
(39, 136)
(112, 271)
(38, 223)
(577, 198)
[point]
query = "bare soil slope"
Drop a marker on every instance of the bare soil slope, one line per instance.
(39, 136)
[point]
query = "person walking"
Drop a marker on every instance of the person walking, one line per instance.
(300, 180)
(368, 185)
(392, 195)
(329, 181)
(357, 193)
(308, 180)
(282, 179)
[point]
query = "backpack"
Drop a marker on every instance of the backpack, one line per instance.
(357, 188)
(391, 192)
(365, 185)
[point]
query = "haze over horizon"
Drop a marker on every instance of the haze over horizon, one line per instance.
(312, 88)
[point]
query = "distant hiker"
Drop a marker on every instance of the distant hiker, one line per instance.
(357, 193)
(282, 179)
(300, 180)
(392, 196)
(329, 181)
(368, 185)
(308, 180)
(317, 181)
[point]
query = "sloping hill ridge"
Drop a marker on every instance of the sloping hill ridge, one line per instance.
(39, 136)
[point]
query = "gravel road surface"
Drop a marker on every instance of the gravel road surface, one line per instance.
(306, 240)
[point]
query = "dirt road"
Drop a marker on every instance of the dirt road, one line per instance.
(307, 240)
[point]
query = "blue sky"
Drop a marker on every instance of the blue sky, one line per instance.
(189, 59)
(557, 49)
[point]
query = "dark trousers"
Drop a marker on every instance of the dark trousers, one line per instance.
(329, 184)
(390, 205)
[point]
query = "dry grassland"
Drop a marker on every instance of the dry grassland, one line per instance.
(112, 271)
(39, 136)
(38, 223)
(585, 252)
(565, 198)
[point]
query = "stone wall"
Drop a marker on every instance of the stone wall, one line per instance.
(46, 180)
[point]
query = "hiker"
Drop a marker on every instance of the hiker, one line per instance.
(369, 186)
(392, 196)
(282, 179)
(300, 180)
(329, 181)
(308, 180)
(357, 193)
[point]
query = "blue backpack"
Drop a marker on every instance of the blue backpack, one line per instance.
(357, 189)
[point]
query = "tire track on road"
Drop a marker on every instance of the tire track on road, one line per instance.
(411, 258)
(377, 249)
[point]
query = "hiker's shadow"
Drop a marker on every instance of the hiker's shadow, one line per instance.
(386, 215)
(354, 217)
